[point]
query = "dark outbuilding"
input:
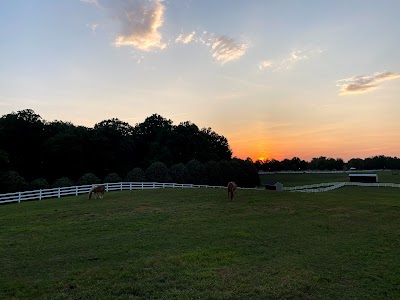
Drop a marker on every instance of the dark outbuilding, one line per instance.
(366, 178)
(274, 185)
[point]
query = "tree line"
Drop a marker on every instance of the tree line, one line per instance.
(35, 153)
(323, 163)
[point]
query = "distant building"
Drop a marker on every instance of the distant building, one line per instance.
(274, 185)
(366, 178)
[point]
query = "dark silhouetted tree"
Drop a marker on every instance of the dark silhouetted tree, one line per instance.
(197, 172)
(22, 135)
(158, 172)
(11, 181)
(63, 182)
(39, 184)
(215, 176)
(88, 178)
(136, 175)
(179, 173)
(112, 178)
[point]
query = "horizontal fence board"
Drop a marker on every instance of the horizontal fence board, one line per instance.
(85, 189)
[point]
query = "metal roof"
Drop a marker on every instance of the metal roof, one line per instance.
(363, 175)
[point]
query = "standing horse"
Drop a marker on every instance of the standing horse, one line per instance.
(231, 189)
(97, 190)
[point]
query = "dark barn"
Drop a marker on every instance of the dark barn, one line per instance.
(366, 178)
(275, 186)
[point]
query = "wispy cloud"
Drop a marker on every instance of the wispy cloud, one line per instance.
(93, 27)
(222, 48)
(185, 39)
(286, 63)
(91, 2)
(265, 64)
(225, 49)
(364, 83)
(140, 23)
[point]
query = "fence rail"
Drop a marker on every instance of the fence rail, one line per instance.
(325, 187)
(120, 186)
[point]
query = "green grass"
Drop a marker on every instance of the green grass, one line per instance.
(312, 178)
(195, 244)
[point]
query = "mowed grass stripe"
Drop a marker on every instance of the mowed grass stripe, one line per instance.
(195, 243)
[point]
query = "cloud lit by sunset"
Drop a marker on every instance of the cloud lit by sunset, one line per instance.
(226, 49)
(185, 39)
(140, 24)
(363, 84)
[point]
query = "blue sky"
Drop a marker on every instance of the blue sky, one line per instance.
(277, 78)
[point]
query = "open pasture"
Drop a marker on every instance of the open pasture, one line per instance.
(196, 244)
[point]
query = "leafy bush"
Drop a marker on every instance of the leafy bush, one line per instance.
(158, 172)
(39, 184)
(63, 182)
(88, 178)
(197, 172)
(245, 174)
(179, 173)
(136, 175)
(214, 173)
(112, 177)
(11, 181)
(227, 172)
(4, 159)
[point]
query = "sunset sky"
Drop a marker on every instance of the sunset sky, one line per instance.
(278, 79)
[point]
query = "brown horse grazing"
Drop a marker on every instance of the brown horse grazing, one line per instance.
(97, 190)
(231, 189)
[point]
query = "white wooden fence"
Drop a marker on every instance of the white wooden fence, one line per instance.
(84, 189)
(120, 186)
(324, 187)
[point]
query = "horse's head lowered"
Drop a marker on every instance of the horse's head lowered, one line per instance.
(97, 190)
(231, 189)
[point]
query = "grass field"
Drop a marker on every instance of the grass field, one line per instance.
(195, 244)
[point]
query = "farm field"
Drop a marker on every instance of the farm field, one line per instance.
(312, 178)
(195, 244)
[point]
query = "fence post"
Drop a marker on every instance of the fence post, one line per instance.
(142, 185)
(107, 187)
(121, 186)
(76, 191)
(19, 197)
(40, 194)
(130, 186)
(59, 192)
